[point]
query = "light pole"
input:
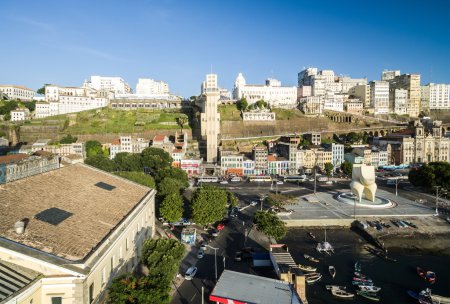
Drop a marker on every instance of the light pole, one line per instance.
(315, 171)
(443, 192)
(215, 257)
(397, 181)
(261, 201)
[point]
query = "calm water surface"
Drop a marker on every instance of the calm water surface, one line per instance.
(395, 278)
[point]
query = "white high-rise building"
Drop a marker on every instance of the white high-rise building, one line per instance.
(437, 96)
(149, 87)
(400, 101)
(272, 92)
(338, 154)
(115, 84)
(379, 96)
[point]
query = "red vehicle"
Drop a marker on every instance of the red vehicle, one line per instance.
(220, 226)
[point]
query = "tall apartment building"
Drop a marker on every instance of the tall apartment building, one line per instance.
(379, 96)
(115, 84)
(411, 83)
(149, 87)
(338, 154)
(362, 92)
(389, 75)
(17, 92)
(260, 157)
(271, 92)
(209, 117)
(398, 101)
(435, 96)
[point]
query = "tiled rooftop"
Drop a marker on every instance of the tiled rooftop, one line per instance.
(12, 158)
(81, 205)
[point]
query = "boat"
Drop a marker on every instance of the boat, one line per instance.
(310, 258)
(355, 279)
(357, 266)
(425, 297)
(329, 287)
(360, 283)
(312, 278)
(395, 223)
(325, 246)
(341, 293)
(429, 276)
(361, 276)
(311, 235)
(368, 295)
(307, 268)
(370, 288)
(379, 253)
(332, 271)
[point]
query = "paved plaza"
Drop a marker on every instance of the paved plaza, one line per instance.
(323, 208)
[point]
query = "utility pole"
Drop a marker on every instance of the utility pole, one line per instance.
(215, 258)
(437, 199)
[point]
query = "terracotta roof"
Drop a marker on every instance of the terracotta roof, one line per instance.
(177, 151)
(403, 132)
(43, 153)
(159, 138)
(116, 142)
(70, 210)
(271, 158)
(12, 158)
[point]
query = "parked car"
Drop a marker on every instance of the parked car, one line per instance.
(224, 182)
(280, 183)
(214, 232)
(253, 203)
(329, 182)
(190, 273)
(200, 254)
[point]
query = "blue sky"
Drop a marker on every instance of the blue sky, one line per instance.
(64, 42)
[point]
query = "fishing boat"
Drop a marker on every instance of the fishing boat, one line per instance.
(368, 295)
(355, 279)
(341, 293)
(429, 276)
(307, 268)
(325, 246)
(313, 277)
(359, 283)
(369, 288)
(332, 271)
(329, 287)
(310, 258)
(361, 276)
(311, 235)
(357, 266)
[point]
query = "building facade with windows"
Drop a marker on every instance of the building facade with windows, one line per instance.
(150, 87)
(17, 92)
(20, 114)
(114, 84)
(127, 144)
(411, 83)
(379, 97)
(436, 96)
(75, 250)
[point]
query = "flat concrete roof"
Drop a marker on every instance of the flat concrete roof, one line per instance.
(247, 288)
(69, 210)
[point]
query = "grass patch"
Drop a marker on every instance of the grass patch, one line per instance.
(229, 112)
(115, 121)
(285, 114)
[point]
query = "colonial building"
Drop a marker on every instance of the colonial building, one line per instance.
(272, 92)
(20, 114)
(17, 92)
(67, 233)
(127, 144)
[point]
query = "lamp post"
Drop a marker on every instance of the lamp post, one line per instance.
(215, 257)
(315, 171)
(443, 192)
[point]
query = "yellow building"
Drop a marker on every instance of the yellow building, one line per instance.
(67, 232)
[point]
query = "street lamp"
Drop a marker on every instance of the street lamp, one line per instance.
(215, 257)
(443, 192)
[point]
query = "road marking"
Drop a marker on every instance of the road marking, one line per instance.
(192, 298)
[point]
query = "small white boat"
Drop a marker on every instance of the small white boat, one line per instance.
(329, 287)
(307, 268)
(369, 288)
(312, 278)
(341, 293)
(332, 271)
(310, 258)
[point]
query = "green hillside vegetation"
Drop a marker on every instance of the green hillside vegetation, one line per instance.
(114, 121)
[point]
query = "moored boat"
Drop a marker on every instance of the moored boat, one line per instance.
(368, 295)
(359, 283)
(329, 287)
(311, 235)
(341, 293)
(369, 288)
(312, 278)
(332, 271)
(429, 276)
(357, 266)
(355, 279)
(310, 258)
(307, 268)
(360, 275)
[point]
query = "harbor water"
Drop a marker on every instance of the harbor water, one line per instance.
(395, 278)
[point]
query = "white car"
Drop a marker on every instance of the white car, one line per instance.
(253, 203)
(200, 254)
(280, 183)
(190, 273)
(329, 182)
(224, 182)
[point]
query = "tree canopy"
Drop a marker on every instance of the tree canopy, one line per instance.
(209, 204)
(270, 224)
(101, 162)
(169, 185)
(347, 168)
(93, 148)
(155, 159)
(430, 175)
(68, 139)
(138, 177)
(329, 169)
(175, 173)
(277, 200)
(171, 208)
(242, 104)
(128, 161)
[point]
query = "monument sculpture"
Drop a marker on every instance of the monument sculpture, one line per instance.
(363, 182)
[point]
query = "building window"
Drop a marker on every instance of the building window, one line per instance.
(91, 293)
(103, 276)
(56, 300)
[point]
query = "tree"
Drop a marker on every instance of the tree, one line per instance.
(270, 224)
(242, 104)
(232, 199)
(172, 207)
(182, 119)
(261, 104)
(353, 137)
(329, 169)
(155, 159)
(41, 91)
(209, 204)
(68, 139)
(347, 168)
(138, 177)
(30, 105)
(431, 175)
(128, 161)
(101, 162)
(93, 148)
(172, 172)
(169, 185)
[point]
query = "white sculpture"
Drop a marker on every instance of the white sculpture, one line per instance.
(363, 181)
